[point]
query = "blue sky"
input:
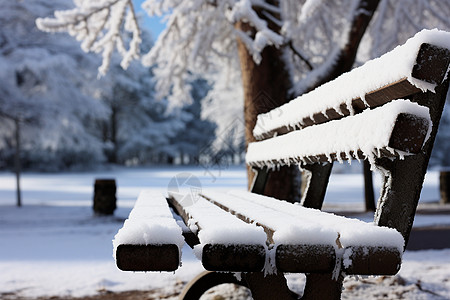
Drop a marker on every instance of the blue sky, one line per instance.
(154, 24)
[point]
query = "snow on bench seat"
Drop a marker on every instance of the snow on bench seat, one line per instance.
(394, 129)
(226, 243)
(309, 240)
(404, 71)
(150, 239)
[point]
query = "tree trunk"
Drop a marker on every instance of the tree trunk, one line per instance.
(265, 88)
(266, 85)
(17, 167)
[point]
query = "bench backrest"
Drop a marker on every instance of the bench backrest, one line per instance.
(417, 71)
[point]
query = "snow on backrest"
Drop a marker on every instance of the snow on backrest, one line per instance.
(367, 132)
(390, 68)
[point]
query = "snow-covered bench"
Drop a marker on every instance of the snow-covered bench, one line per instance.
(357, 116)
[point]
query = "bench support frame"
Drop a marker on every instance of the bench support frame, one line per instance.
(400, 194)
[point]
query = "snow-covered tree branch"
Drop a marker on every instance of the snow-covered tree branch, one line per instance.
(200, 35)
(101, 26)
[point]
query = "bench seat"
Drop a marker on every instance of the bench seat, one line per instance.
(150, 239)
(254, 233)
(257, 233)
(308, 240)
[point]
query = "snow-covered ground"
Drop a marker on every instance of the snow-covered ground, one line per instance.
(54, 245)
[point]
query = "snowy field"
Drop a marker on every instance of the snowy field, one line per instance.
(55, 246)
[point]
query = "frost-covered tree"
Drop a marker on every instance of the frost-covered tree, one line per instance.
(65, 115)
(280, 49)
(198, 133)
(223, 104)
(43, 83)
(139, 128)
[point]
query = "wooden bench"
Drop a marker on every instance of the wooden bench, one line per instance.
(357, 116)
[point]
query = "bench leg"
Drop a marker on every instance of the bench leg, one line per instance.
(262, 287)
(316, 178)
(206, 280)
(269, 287)
(323, 286)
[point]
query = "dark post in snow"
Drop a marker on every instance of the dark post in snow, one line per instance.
(444, 186)
(104, 196)
(20, 81)
(17, 161)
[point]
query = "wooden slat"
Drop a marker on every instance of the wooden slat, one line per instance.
(233, 257)
(305, 258)
(321, 259)
(189, 237)
(148, 257)
(269, 231)
(161, 254)
(383, 95)
(374, 261)
(431, 65)
(408, 135)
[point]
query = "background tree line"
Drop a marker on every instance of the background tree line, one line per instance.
(215, 67)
